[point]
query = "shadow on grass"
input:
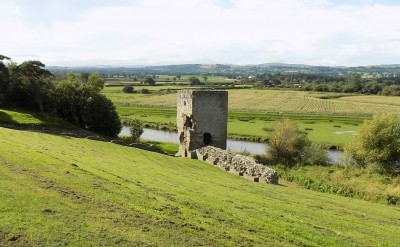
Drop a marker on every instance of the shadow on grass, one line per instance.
(31, 118)
(6, 119)
(51, 120)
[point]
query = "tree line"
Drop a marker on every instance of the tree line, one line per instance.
(75, 99)
(353, 83)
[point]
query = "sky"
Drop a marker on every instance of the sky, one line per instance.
(161, 32)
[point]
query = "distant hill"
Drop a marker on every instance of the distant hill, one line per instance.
(228, 69)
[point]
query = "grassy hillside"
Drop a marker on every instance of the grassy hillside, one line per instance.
(66, 191)
(21, 117)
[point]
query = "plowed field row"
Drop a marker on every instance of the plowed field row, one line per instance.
(279, 101)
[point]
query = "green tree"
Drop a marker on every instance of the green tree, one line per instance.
(286, 144)
(150, 81)
(4, 79)
(354, 83)
(96, 81)
(371, 88)
(30, 79)
(100, 115)
(71, 97)
(76, 77)
(84, 76)
(128, 89)
(136, 129)
(205, 77)
(393, 90)
(376, 144)
(81, 104)
(194, 81)
(2, 57)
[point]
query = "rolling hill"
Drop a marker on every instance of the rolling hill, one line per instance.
(58, 190)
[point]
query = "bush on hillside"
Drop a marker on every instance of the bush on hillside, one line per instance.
(136, 129)
(288, 146)
(127, 89)
(376, 144)
(145, 91)
(79, 104)
(150, 81)
(194, 81)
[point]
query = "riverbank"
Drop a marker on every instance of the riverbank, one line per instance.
(348, 181)
(171, 127)
(353, 182)
(239, 146)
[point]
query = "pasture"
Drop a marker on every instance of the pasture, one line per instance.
(256, 126)
(328, 118)
(275, 101)
(20, 117)
(163, 79)
(68, 191)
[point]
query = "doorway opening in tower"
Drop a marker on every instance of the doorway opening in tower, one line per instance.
(207, 139)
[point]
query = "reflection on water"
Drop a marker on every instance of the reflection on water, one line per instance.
(232, 145)
(154, 135)
(334, 156)
(345, 132)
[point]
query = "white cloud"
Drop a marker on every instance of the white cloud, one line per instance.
(201, 31)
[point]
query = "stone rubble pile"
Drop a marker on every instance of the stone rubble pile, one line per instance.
(239, 164)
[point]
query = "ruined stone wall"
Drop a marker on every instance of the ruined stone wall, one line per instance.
(238, 164)
(201, 119)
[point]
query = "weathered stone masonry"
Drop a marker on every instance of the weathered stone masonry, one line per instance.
(201, 120)
(202, 128)
(238, 164)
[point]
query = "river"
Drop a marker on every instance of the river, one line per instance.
(232, 145)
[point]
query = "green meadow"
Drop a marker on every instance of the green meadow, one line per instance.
(322, 130)
(27, 118)
(58, 190)
(329, 119)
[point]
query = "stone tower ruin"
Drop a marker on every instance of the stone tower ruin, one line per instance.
(201, 120)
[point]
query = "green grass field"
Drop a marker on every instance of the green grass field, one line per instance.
(328, 118)
(255, 100)
(162, 79)
(20, 117)
(65, 191)
(253, 125)
(356, 182)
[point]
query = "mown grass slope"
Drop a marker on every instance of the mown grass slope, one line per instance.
(22, 117)
(58, 190)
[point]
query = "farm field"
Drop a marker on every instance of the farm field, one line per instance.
(328, 118)
(255, 126)
(382, 100)
(298, 102)
(161, 79)
(68, 191)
